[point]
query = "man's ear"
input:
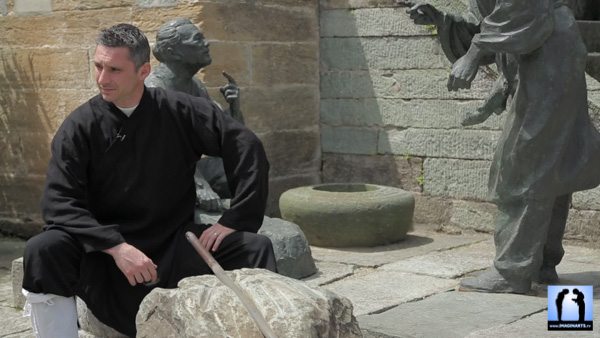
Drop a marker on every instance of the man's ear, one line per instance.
(144, 70)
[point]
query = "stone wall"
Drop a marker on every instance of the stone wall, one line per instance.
(269, 46)
(387, 117)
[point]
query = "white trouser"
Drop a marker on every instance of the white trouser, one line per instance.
(52, 316)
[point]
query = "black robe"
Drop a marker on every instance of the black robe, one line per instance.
(114, 179)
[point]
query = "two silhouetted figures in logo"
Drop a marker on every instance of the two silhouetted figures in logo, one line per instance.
(578, 300)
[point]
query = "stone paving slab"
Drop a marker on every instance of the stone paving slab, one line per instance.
(533, 326)
(329, 272)
(12, 322)
(450, 263)
(452, 314)
(379, 290)
(417, 243)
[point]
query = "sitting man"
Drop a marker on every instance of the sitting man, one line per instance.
(182, 51)
(119, 195)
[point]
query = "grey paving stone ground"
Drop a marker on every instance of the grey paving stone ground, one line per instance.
(406, 289)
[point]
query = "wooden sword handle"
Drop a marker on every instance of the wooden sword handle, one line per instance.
(216, 268)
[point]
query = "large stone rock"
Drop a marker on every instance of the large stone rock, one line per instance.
(204, 307)
(292, 251)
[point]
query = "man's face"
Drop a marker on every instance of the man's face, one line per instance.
(193, 49)
(118, 80)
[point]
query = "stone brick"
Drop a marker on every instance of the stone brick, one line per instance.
(456, 178)
(308, 5)
(61, 29)
(156, 3)
(79, 5)
(438, 114)
(454, 143)
(233, 58)
(381, 53)
(39, 110)
(292, 152)
(349, 140)
(30, 7)
(20, 195)
(46, 67)
(3, 8)
(431, 210)
(24, 153)
(222, 21)
(583, 224)
(407, 84)
(369, 22)
(474, 215)
(293, 63)
(279, 185)
(376, 169)
(445, 5)
(588, 199)
(149, 19)
(280, 107)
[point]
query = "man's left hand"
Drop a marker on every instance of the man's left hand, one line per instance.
(212, 237)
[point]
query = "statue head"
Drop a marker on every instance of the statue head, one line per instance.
(180, 41)
(130, 37)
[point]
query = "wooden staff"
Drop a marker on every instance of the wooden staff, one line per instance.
(222, 276)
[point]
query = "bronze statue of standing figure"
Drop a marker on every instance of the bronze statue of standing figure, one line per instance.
(182, 51)
(548, 148)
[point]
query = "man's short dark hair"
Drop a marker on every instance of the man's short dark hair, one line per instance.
(129, 36)
(167, 36)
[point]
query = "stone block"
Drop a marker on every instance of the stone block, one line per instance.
(290, 63)
(156, 3)
(24, 153)
(16, 277)
(232, 58)
(30, 7)
(453, 143)
(456, 178)
(149, 19)
(381, 53)
(38, 111)
(447, 264)
(292, 152)
(433, 114)
(280, 107)
(587, 199)
(583, 225)
(404, 84)
(479, 216)
(3, 8)
(222, 21)
(21, 224)
(445, 5)
(20, 195)
(79, 5)
(206, 307)
(393, 171)
(280, 184)
(432, 210)
(369, 22)
(44, 67)
(349, 140)
(379, 290)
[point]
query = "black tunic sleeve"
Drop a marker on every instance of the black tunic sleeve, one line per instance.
(246, 166)
(65, 202)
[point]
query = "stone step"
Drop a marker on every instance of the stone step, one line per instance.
(593, 65)
(590, 32)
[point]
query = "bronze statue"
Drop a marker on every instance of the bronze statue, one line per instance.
(182, 51)
(549, 147)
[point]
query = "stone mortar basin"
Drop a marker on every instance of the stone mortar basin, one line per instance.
(349, 214)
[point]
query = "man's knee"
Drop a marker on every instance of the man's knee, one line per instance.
(51, 263)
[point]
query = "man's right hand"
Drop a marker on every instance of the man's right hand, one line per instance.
(425, 14)
(134, 264)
